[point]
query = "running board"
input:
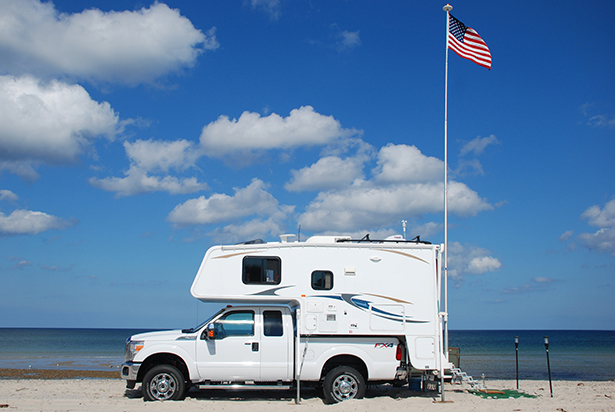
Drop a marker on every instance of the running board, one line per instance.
(244, 386)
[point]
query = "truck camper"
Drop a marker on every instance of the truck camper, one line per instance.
(330, 311)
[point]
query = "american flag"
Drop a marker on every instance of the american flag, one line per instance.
(466, 42)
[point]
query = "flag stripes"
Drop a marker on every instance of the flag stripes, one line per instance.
(467, 43)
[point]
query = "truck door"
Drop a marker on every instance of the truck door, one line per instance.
(247, 345)
(276, 345)
(233, 352)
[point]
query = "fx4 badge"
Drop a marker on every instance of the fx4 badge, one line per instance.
(382, 345)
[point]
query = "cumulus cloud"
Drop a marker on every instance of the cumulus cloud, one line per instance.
(151, 155)
(403, 163)
(405, 183)
(469, 259)
(8, 195)
(50, 123)
(603, 240)
(330, 172)
(367, 206)
(28, 222)
(137, 181)
(252, 133)
(127, 47)
(251, 200)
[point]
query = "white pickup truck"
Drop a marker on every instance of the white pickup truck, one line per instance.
(256, 347)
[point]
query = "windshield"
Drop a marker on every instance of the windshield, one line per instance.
(204, 322)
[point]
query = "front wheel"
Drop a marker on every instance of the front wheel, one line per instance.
(343, 383)
(163, 383)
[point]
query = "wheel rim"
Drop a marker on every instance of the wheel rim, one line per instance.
(163, 386)
(345, 387)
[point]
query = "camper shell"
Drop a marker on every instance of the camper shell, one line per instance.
(338, 286)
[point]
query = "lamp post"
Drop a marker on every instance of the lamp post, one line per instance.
(548, 364)
(517, 359)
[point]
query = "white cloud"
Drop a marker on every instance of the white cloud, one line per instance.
(469, 259)
(365, 206)
(603, 240)
(8, 195)
(347, 40)
(478, 145)
(151, 155)
(127, 47)
(219, 207)
(330, 172)
(137, 181)
(483, 264)
(601, 217)
(402, 163)
(27, 222)
(49, 123)
(252, 133)
(566, 235)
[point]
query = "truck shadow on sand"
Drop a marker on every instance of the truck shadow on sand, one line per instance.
(308, 393)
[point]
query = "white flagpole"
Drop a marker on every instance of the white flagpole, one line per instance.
(447, 9)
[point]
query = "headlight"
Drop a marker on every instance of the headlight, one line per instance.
(132, 348)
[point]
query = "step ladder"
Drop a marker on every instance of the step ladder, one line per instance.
(458, 376)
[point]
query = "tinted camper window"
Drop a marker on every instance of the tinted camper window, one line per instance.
(261, 270)
(322, 280)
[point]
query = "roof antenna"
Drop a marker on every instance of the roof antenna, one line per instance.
(299, 233)
(403, 225)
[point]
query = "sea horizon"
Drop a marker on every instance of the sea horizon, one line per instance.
(574, 354)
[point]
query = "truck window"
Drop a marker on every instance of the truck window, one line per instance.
(273, 323)
(322, 280)
(238, 323)
(261, 270)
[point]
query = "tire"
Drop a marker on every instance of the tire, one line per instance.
(163, 383)
(343, 383)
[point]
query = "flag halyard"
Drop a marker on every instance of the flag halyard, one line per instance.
(467, 43)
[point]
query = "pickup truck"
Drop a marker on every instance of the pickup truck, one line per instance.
(255, 347)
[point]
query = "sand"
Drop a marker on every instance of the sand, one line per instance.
(33, 390)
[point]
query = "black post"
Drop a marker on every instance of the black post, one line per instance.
(517, 359)
(548, 364)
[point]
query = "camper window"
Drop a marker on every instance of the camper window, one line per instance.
(261, 270)
(322, 280)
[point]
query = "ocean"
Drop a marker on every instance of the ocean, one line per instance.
(573, 354)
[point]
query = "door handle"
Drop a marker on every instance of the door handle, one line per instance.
(254, 346)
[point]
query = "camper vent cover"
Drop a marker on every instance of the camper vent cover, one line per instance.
(350, 271)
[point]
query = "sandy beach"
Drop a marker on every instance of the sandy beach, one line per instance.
(32, 390)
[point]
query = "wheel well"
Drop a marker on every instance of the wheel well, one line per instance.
(163, 359)
(345, 360)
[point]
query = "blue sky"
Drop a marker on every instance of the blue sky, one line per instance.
(135, 135)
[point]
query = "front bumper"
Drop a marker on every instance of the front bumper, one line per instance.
(130, 370)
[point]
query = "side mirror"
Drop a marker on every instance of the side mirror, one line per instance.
(210, 331)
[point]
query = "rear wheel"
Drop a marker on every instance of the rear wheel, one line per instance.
(163, 383)
(343, 383)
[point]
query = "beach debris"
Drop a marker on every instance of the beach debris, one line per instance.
(561, 410)
(580, 384)
(4, 405)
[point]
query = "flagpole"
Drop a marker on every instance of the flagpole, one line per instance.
(447, 9)
(444, 309)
